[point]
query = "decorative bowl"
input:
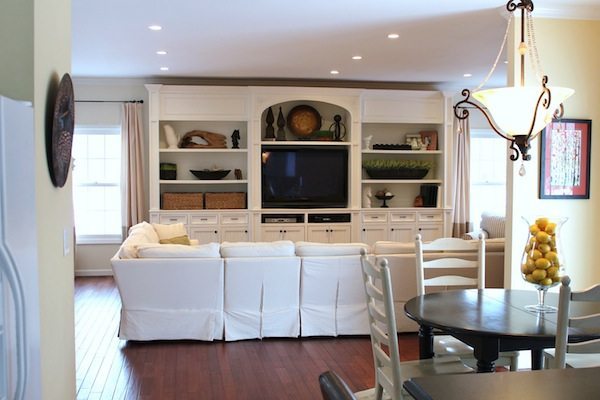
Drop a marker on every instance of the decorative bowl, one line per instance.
(210, 174)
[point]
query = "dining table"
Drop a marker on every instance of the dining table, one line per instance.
(491, 321)
(547, 384)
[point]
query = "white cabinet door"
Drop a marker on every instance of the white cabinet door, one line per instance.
(402, 232)
(336, 233)
(282, 232)
(205, 234)
(235, 234)
(371, 233)
(430, 232)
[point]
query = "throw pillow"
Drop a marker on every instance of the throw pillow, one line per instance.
(169, 231)
(185, 240)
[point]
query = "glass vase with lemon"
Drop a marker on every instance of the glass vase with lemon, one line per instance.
(543, 259)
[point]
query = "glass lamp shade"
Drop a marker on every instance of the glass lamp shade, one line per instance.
(512, 108)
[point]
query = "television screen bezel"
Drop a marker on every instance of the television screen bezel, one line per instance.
(341, 202)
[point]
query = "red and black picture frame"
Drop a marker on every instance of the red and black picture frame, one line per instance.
(565, 159)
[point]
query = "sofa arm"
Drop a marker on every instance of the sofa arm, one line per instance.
(474, 235)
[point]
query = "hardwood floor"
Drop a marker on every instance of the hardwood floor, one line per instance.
(109, 368)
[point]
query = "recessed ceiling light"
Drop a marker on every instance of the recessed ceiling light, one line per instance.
(164, 68)
(161, 52)
(393, 36)
(155, 27)
(334, 72)
(357, 57)
(467, 75)
(505, 61)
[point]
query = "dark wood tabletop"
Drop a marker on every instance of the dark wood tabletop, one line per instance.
(547, 384)
(489, 320)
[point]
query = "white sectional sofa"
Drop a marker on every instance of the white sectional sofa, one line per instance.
(248, 290)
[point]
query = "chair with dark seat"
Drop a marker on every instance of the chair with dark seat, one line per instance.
(390, 373)
(334, 388)
(584, 354)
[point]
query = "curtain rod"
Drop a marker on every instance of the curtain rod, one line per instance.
(110, 101)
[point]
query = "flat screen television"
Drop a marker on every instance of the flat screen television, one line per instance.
(304, 177)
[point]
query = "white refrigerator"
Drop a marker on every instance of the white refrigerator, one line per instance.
(19, 287)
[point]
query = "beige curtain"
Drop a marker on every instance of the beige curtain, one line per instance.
(133, 162)
(460, 222)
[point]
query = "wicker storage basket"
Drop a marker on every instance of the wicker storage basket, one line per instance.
(225, 200)
(182, 201)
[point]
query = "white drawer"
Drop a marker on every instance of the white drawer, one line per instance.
(374, 217)
(434, 216)
(173, 219)
(402, 217)
(232, 219)
(204, 219)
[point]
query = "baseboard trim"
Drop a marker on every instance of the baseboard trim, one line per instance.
(93, 272)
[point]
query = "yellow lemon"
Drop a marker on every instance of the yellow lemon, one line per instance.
(534, 229)
(542, 263)
(550, 228)
(536, 254)
(524, 269)
(546, 282)
(530, 264)
(552, 256)
(552, 272)
(556, 278)
(529, 278)
(538, 274)
(541, 223)
(542, 237)
(544, 247)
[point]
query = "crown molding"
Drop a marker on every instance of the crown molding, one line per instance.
(573, 12)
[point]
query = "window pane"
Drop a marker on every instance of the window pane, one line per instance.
(97, 181)
(488, 174)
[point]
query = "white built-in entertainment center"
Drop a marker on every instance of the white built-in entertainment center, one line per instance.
(370, 117)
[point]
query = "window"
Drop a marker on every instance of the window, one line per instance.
(97, 184)
(488, 174)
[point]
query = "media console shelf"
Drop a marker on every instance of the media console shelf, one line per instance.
(367, 116)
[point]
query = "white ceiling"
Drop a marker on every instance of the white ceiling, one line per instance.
(440, 40)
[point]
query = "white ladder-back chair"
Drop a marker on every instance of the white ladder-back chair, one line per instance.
(463, 267)
(582, 354)
(389, 371)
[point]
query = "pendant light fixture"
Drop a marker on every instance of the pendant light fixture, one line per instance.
(519, 113)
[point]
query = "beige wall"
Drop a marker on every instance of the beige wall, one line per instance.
(52, 58)
(16, 48)
(569, 54)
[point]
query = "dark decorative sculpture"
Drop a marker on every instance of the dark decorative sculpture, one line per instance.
(280, 126)
(235, 139)
(338, 128)
(270, 131)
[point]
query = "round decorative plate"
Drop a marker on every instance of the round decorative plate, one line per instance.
(303, 120)
(63, 122)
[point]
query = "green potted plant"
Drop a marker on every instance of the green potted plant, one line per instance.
(397, 169)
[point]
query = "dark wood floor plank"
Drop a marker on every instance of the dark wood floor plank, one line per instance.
(109, 368)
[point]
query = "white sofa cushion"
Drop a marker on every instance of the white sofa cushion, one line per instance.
(387, 247)
(170, 230)
(311, 249)
(280, 248)
(178, 251)
(129, 248)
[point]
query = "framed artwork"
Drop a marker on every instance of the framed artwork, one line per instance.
(429, 137)
(565, 159)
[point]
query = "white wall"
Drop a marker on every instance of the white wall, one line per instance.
(94, 259)
(569, 56)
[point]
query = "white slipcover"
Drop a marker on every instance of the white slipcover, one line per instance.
(167, 300)
(332, 298)
(262, 286)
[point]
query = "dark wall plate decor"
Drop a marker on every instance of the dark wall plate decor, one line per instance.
(63, 122)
